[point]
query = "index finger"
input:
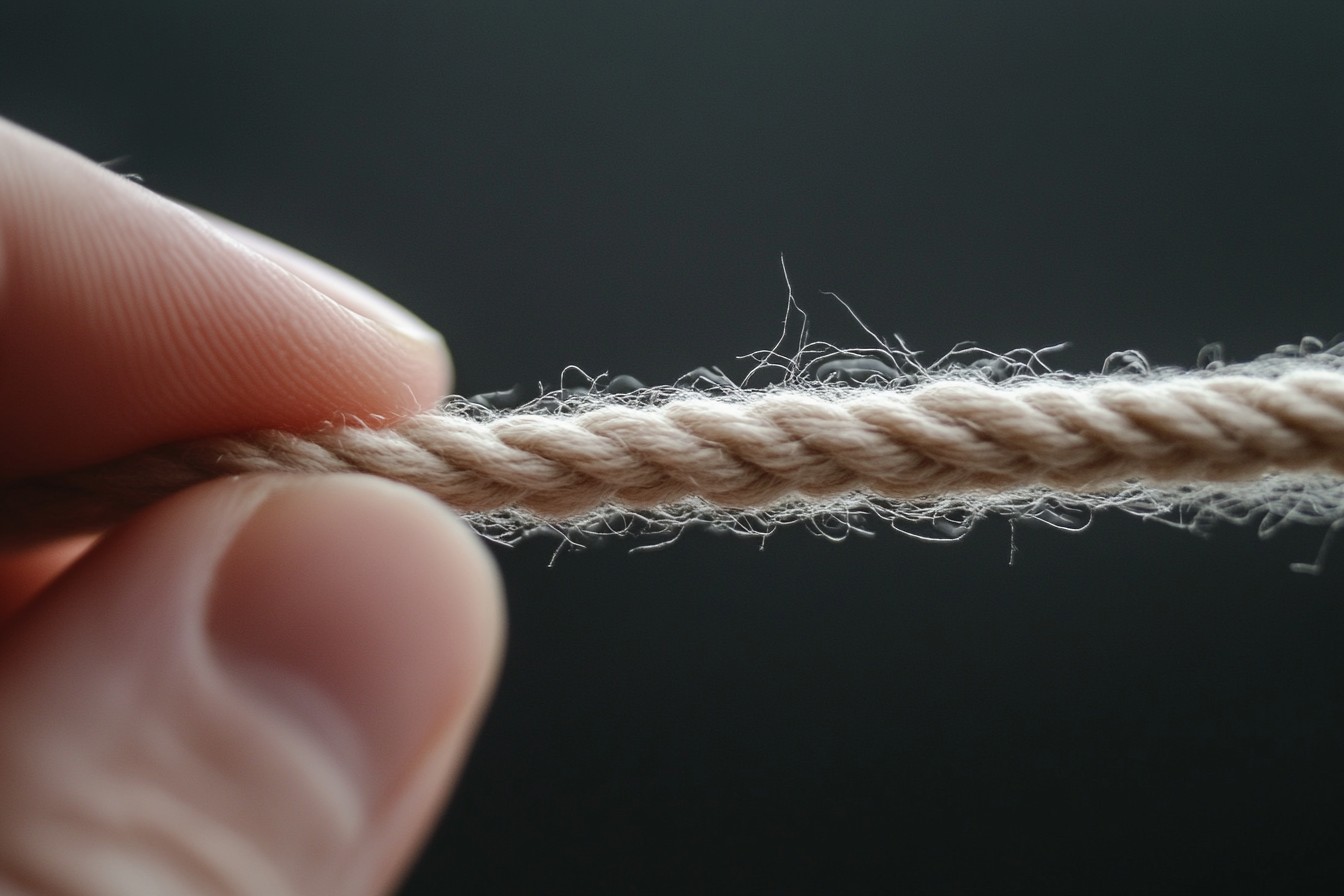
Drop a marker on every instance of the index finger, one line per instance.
(127, 321)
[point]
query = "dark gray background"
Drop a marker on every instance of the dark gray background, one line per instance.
(611, 185)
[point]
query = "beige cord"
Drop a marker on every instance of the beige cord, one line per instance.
(751, 450)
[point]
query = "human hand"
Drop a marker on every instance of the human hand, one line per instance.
(262, 685)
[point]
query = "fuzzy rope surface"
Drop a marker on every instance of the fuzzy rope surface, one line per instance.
(750, 450)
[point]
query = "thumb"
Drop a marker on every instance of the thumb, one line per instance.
(260, 686)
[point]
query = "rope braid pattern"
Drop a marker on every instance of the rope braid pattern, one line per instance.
(753, 449)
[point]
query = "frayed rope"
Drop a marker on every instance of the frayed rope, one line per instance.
(841, 435)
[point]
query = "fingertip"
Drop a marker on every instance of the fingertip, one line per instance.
(263, 684)
(381, 601)
(127, 321)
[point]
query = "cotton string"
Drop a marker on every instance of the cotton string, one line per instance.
(751, 450)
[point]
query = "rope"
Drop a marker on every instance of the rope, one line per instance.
(753, 449)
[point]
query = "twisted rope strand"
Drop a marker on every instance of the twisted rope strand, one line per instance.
(756, 449)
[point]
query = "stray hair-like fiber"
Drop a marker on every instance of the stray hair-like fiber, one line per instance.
(839, 440)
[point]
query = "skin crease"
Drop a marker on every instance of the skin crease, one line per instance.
(322, 647)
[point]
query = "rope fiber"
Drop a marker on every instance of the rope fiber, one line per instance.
(749, 450)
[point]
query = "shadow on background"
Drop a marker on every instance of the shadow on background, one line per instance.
(611, 185)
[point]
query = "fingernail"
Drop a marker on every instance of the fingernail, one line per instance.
(374, 598)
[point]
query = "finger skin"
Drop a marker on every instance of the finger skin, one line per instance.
(127, 321)
(260, 686)
(264, 684)
(24, 574)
